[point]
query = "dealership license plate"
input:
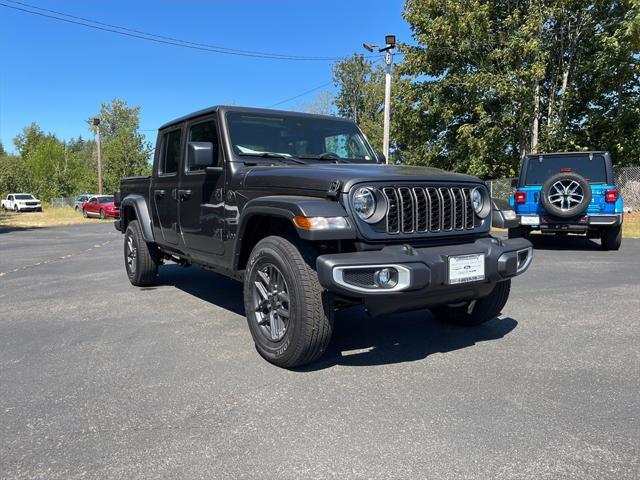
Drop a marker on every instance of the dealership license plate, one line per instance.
(530, 220)
(466, 268)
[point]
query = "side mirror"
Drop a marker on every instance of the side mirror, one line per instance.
(514, 183)
(200, 155)
(380, 158)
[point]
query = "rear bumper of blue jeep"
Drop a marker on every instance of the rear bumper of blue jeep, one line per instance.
(580, 224)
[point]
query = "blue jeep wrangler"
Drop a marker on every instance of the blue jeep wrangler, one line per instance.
(564, 193)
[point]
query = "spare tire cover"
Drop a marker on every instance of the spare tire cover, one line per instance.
(565, 195)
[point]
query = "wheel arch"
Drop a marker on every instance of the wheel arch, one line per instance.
(273, 215)
(134, 207)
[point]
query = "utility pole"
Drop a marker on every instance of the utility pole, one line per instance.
(96, 123)
(390, 44)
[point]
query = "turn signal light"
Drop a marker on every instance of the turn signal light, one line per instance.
(611, 196)
(320, 223)
(521, 197)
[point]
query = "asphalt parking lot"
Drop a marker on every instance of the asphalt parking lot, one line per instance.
(103, 380)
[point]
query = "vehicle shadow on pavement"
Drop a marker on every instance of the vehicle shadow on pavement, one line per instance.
(359, 340)
(208, 286)
(566, 242)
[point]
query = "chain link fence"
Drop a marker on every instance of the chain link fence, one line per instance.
(627, 181)
(63, 202)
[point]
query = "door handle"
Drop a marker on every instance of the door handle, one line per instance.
(159, 194)
(184, 194)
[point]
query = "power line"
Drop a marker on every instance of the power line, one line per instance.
(299, 95)
(152, 37)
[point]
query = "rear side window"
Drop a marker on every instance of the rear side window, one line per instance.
(171, 152)
(540, 169)
(205, 132)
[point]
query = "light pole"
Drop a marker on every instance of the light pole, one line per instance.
(96, 123)
(390, 44)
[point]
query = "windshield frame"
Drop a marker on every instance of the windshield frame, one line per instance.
(269, 159)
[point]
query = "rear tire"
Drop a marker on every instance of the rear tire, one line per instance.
(302, 331)
(141, 259)
(484, 309)
(611, 238)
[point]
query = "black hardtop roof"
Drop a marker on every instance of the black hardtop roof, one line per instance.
(555, 154)
(229, 108)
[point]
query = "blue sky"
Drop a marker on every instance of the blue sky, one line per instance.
(57, 74)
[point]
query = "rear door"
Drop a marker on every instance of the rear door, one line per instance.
(201, 194)
(164, 185)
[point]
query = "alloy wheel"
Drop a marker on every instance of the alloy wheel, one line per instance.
(271, 302)
(566, 194)
(131, 255)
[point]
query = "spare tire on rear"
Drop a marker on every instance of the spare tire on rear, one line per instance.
(565, 195)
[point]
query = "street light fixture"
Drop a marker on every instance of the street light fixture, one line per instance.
(390, 44)
(96, 123)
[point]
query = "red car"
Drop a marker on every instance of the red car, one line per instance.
(100, 206)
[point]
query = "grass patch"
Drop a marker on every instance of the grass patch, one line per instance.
(49, 217)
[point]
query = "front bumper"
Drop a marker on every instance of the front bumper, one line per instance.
(423, 273)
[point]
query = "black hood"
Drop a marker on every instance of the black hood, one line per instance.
(321, 176)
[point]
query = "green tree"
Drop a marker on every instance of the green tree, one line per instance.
(493, 80)
(125, 152)
(360, 95)
(3, 152)
(26, 140)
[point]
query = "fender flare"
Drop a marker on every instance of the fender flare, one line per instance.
(289, 206)
(139, 204)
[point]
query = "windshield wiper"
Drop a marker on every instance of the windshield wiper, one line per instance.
(322, 156)
(278, 156)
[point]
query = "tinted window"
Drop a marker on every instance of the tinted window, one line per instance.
(539, 170)
(205, 132)
(171, 150)
(105, 199)
(93, 200)
(253, 134)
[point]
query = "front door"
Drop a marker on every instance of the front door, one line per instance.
(201, 193)
(164, 187)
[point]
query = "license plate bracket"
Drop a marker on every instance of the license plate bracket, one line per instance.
(530, 220)
(465, 268)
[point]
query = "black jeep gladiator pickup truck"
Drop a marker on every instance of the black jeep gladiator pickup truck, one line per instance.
(300, 209)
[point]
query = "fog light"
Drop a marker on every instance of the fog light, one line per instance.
(386, 277)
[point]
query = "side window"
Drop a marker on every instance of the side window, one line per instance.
(93, 200)
(170, 153)
(204, 132)
(10, 197)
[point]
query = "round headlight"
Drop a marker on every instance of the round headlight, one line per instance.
(479, 201)
(364, 203)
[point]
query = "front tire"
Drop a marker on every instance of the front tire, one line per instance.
(611, 238)
(84, 213)
(141, 259)
(477, 311)
(290, 316)
(102, 215)
(16, 209)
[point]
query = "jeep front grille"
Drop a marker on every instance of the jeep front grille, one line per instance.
(429, 209)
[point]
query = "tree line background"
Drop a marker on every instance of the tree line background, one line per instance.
(483, 83)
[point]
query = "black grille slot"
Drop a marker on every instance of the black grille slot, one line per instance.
(427, 209)
(458, 207)
(393, 214)
(447, 208)
(406, 208)
(435, 209)
(421, 209)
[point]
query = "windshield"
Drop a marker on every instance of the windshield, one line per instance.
(540, 169)
(105, 199)
(24, 197)
(272, 134)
